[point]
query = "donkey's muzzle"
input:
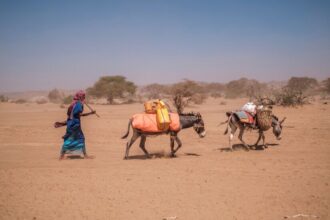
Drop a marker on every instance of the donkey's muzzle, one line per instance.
(202, 134)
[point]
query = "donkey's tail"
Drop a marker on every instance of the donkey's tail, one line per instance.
(128, 128)
(228, 121)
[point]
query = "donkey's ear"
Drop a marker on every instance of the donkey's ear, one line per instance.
(282, 120)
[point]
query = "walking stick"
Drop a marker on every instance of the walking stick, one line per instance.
(90, 108)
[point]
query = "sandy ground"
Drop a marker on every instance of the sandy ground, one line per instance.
(291, 177)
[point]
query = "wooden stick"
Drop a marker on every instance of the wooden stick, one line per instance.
(90, 108)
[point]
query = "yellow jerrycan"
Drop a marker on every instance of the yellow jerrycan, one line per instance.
(162, 116)
(151, 106)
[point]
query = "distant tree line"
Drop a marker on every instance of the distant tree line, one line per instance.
(117, 89)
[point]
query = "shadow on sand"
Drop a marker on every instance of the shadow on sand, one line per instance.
(74, 157)
(158, 155)
(192, 154)
(238, 147)
(144, 157)
(77, 157)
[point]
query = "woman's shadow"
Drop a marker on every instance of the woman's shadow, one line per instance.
(158, 155)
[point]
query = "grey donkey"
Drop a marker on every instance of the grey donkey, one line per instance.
(187, 120)
(233, 123)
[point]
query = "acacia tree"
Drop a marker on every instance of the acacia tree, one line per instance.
(112, 87)
(186, 91)
(296, 92)
(155, 90)
(301, 84)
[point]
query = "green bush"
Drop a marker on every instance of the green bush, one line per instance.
(112, 87)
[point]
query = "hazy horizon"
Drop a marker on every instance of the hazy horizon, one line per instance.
(69, 45)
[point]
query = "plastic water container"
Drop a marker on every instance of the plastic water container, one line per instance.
(162, 116)
(151, 106)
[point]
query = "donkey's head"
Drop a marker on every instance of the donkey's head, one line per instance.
(277, 126)
(199, 126)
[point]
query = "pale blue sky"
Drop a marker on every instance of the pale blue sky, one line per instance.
(70, 44)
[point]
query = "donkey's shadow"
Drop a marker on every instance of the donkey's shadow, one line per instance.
(158, 155)
(240, 147)
(144, 157)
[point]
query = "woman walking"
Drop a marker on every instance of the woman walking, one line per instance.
(74, 139)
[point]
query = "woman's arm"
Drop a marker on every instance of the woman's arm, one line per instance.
(89, 113)
(59, 124)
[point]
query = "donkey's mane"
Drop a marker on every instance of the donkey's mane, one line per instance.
(189, 114)
(276, 118)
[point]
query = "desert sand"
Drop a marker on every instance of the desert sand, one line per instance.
(204, 181)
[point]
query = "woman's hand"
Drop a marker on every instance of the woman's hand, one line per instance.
(89, 113)
(59, 124)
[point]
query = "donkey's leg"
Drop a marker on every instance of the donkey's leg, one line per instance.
(232, 130)
(259, 138)
(172, 139)
(263, 141)
(142, 145)
(240, 137)
(130, 143)
(178, 141)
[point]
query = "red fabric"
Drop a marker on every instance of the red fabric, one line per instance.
(148, 122)
(79, 96)
(250, 117)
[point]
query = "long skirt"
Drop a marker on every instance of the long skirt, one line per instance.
(74, 141)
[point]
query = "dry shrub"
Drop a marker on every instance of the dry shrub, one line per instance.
(215, 90)
(20, 101)
(245, 88)
(198, 98)
(325, 89)
(41, 101)
(179, 102)
(291, 98)
(155, 91)
(216, 95)
(129, 101)
(67, 100)
(185, 92)
(304, 85)
(55, 96)
(297, 92)
(3, 98)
